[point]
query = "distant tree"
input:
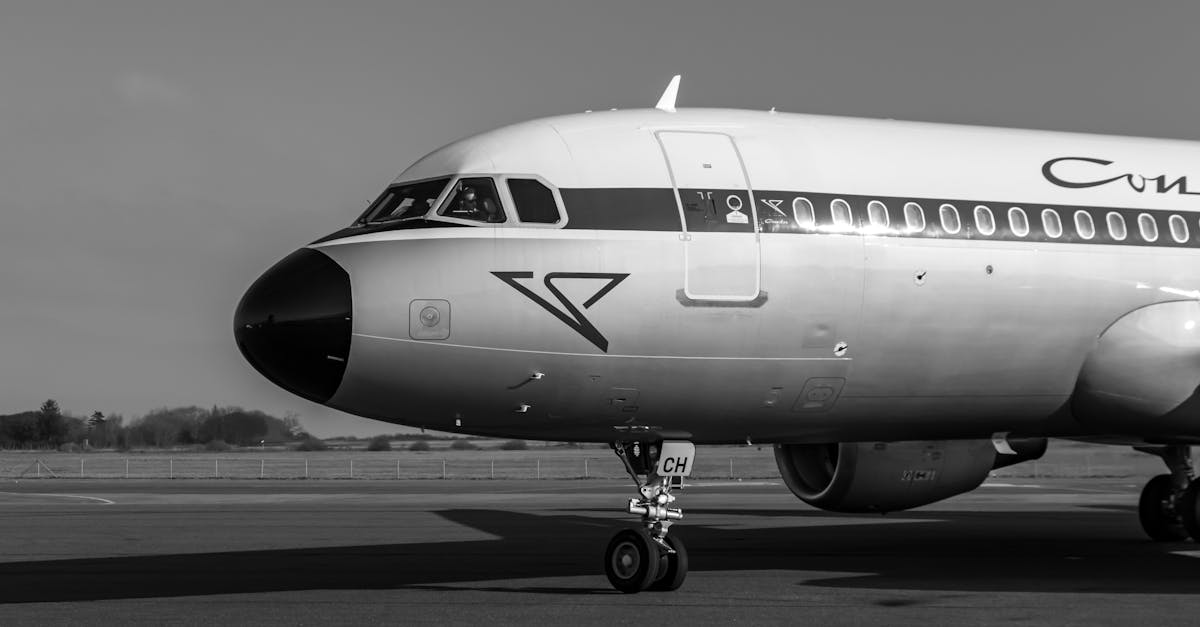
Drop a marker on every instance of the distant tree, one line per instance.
(171, 426)
(52, 425)
(408, 437)
(131, 437)
(77, 431)
(236, 426)
(19, 430)
(168, 427)
(110, 433)
(419, 446)
(463, 445)
(514, 445)
(312, 444)
(50, 407)
(291, 422)
(380, 443)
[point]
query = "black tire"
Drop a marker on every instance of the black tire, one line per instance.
(1157, 513)
(1188, 507)
(631, 560)
(673, 567)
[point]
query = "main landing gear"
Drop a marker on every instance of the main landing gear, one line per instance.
(645, 557)
(1169, 507)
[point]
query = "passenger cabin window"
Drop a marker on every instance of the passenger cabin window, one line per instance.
(1148, 227)
(534, 201)
(878, 214)
(949, 216)
(1018, 222)
(984, 220)
(802, 211)
(1116, 225)
(1179, 229)
(401, 202)
(1051, 223)
(914, 217)
(842, 217)
(1084, 225)
(473, 199)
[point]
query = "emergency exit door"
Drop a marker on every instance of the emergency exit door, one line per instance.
(718, 221)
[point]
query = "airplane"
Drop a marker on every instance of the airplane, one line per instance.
(897, 307)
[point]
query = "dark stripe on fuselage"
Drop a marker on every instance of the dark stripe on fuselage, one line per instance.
(656, 210)
(631, 209)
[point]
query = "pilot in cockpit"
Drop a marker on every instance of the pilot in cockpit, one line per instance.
(471, 206)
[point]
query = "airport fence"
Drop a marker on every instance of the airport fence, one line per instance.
(467, 465)
(1103, 462)
(1069, 461)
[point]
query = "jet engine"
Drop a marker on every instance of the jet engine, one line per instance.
(889, 476)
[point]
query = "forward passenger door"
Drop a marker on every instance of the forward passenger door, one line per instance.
(718, 219)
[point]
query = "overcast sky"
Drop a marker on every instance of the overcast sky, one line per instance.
(156, 157)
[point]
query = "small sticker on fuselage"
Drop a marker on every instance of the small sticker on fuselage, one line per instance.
(774, 205)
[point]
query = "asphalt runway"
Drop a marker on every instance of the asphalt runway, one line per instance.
(480, 552)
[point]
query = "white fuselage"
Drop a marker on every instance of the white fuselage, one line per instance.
(727, 275)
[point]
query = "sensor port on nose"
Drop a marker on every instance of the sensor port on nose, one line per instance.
(429, 319)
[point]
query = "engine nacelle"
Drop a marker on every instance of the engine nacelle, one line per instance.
(890, 476)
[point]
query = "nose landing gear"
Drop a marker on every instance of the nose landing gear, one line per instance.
(645, 557)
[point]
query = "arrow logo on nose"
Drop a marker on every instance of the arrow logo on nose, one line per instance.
(569, 314)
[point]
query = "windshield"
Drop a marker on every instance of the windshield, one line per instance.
(401, 202)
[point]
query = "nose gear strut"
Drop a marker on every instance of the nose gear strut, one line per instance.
(646, 558)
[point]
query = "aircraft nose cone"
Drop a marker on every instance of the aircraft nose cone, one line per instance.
(293, 324)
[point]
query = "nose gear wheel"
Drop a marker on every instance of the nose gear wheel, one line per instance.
(1157, 511)
(631, 560)
(1169, 506)
(672, 567)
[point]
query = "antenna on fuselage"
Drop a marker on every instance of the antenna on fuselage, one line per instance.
(667, 101)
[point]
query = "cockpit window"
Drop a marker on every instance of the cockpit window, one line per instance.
(473, 199)
(534, 201)
(401, 202)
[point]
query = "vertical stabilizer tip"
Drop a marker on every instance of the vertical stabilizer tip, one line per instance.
(667, 101)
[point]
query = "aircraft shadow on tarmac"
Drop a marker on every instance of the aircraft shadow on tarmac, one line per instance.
(1042, 551)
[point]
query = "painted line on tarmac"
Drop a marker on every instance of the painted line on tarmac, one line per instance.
(1061, 489)
(63, 496)
(725, 484)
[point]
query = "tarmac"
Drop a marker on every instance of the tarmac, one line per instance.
(478, 552)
